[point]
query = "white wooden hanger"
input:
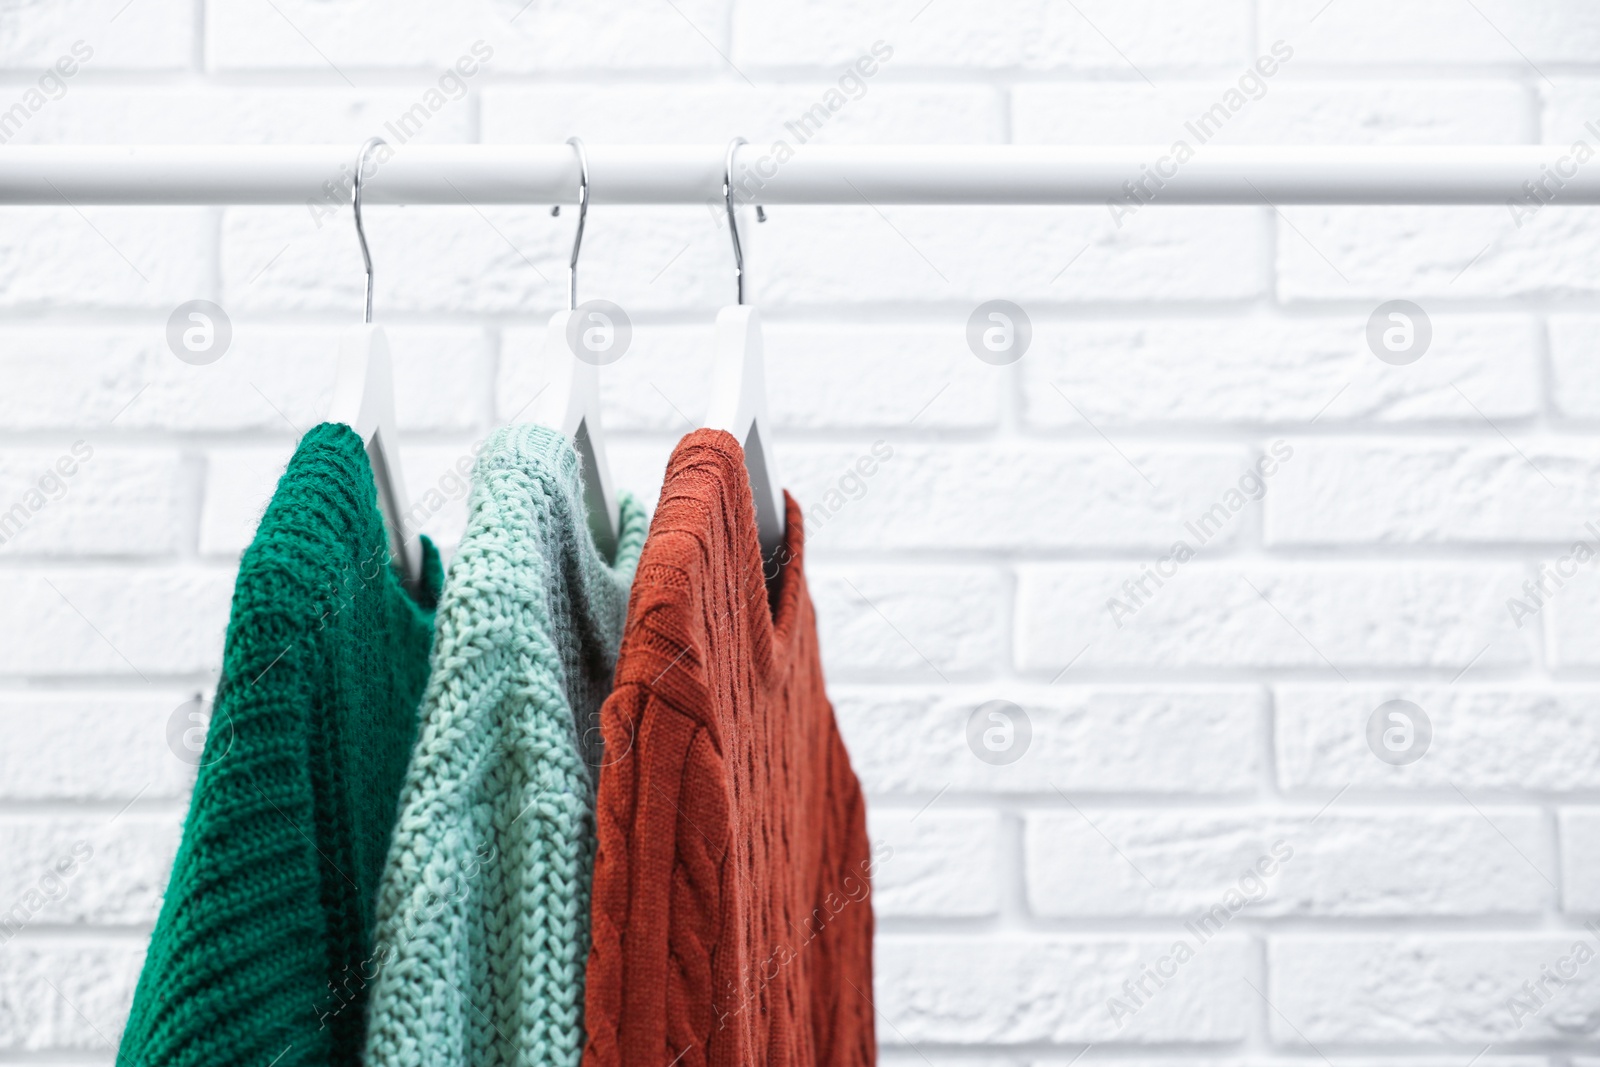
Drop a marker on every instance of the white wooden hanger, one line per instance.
(570, 401)
(363, 399)
(739, 388)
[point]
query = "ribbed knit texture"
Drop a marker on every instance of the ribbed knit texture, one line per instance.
(484, 906)
(259, 952)
(732, 919)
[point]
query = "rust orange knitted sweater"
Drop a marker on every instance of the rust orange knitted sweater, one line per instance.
(731, 916)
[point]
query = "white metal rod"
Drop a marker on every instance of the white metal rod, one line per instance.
(814, 174)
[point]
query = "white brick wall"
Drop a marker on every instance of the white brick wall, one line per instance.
(1204, 762)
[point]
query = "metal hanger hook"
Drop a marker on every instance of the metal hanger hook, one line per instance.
(355, 203)
(583, 213)
(733, 218)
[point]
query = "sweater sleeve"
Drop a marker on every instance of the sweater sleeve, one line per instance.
(241, 940)
(658, 826)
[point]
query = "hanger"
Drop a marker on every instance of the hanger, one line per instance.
(363, 399)
(570, 401)
(739, 387)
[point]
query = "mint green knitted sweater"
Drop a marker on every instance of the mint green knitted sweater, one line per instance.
(483, 907)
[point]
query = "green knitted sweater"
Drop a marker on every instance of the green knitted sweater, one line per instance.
(483, 911)
(258, 953)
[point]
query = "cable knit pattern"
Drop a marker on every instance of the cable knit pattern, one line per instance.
(732, 924)
(484, 905)
(269, 913)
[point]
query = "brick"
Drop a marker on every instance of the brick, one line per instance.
(1569, 104)
(1432, 254)
(1276, 111)
(867, 110)
(639, 466)
(1256, 371)
(937, 864)
(1106, 739)
(70, 377)
(101, 745)
(1015, 34)
(1416, 989)
(84, 870)
(66, 995)
(1348, 861)
(896, 376)
(1456, 491)
(158, 35)
(304, 35)
(440, 490)
(660, 383)
(1483, 737)
(843, 256)
(1013, 990)
(1504, 34)
(213, 114)
(1580, 866)
(99, 621)
(280, 381)
(466, 259)
(1569, 609)
(869, 376)
(239, 485)
(890, 493)
(103, 257)
(1573, 340)
(115, 501)
(916, 623)
(1208, 615)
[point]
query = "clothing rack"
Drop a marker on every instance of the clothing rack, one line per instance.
(813, 174)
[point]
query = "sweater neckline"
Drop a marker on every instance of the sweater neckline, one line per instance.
(774, 622)
(777, 627)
